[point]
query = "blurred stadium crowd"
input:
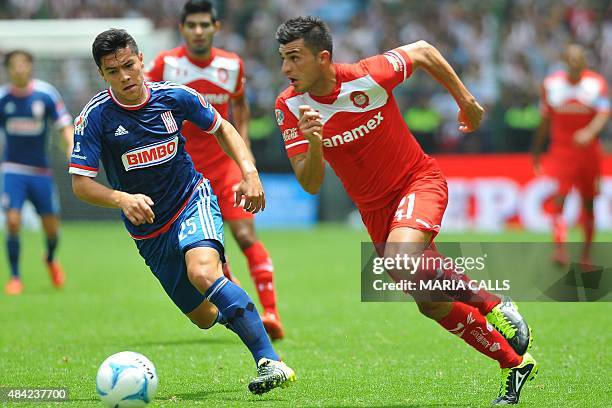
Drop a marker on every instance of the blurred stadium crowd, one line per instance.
(502, 49)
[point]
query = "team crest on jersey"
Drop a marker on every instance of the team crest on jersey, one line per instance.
(79, 124)
(151, 155)
(38, 109)
(280, 116)
(360, 99)
(169, 122)
(222, 75)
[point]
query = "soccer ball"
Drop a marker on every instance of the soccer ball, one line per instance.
(126, 379)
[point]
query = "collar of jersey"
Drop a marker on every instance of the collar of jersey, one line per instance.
(131, 107)
(201, 63)
(22, 92)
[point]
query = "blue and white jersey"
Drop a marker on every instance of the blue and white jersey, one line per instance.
(25, 119)
(142, 149)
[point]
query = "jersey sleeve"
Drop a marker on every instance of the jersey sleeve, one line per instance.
(198, 110)
(295, 143)
(602, 103)
(57, 109)
(155, 70)
(389, 69)
(240, 82)
(85, 157)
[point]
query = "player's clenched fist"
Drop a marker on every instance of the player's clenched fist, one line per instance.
(137, 208)
(310, 124)
(249, 194)
(470, 116)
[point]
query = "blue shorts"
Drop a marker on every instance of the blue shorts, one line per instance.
(199, 225)
(39, 189)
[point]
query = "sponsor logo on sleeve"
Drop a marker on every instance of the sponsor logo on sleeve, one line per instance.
(151, 155)
(280, 117)
(79, 124)
(290, 134)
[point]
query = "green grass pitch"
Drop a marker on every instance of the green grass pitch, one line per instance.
(345, 353)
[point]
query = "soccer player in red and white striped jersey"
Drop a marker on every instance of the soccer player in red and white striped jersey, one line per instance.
(346, 114)
(575, 109)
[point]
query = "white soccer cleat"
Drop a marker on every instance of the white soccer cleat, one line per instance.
(271, 374)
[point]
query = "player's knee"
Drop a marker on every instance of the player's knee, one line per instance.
(203, 272)
(433, 310)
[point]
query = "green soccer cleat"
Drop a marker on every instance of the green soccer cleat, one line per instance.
(513, 380)
(509, 323)
(271, 374)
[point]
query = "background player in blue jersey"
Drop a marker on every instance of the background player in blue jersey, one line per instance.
(168, 208)
(27, 109)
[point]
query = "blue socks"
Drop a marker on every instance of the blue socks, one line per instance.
(51, 245)
(238, 313)
(12, 245)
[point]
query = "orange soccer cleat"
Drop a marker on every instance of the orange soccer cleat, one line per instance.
(273, 325)
(56, 273)
(14, 287)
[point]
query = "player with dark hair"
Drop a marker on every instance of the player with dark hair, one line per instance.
(346, 114)
(168, 208)
(218, 75)
(27, 107)
(575, 109)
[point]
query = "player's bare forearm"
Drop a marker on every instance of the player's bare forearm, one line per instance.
(241, 115)
(598, 123)
(136, 207)
(232, 143)
(68, 136)
(424, 55)
(309, 168)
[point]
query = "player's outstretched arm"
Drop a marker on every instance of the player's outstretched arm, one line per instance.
(427, 57)
(136, 207)
(250, 189)
(309, 167)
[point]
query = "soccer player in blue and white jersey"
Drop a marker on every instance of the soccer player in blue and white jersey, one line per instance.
(27, 108)
(134, 128)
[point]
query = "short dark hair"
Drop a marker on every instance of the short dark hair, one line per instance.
(9, 56)
(198, 6)
(110, 41)
(312, 30)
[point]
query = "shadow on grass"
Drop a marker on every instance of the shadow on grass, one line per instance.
(230, 395)
(184, 342)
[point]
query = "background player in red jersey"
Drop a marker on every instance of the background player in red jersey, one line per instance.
(575, 109)
(219, 76)
(346, 114)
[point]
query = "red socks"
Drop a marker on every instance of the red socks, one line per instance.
(260, 266)
(467, 322)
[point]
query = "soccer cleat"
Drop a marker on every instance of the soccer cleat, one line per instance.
(13, 287)
(513, 379)
(273, 325)
(509, 323)
(56, 273)
(271, 374)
